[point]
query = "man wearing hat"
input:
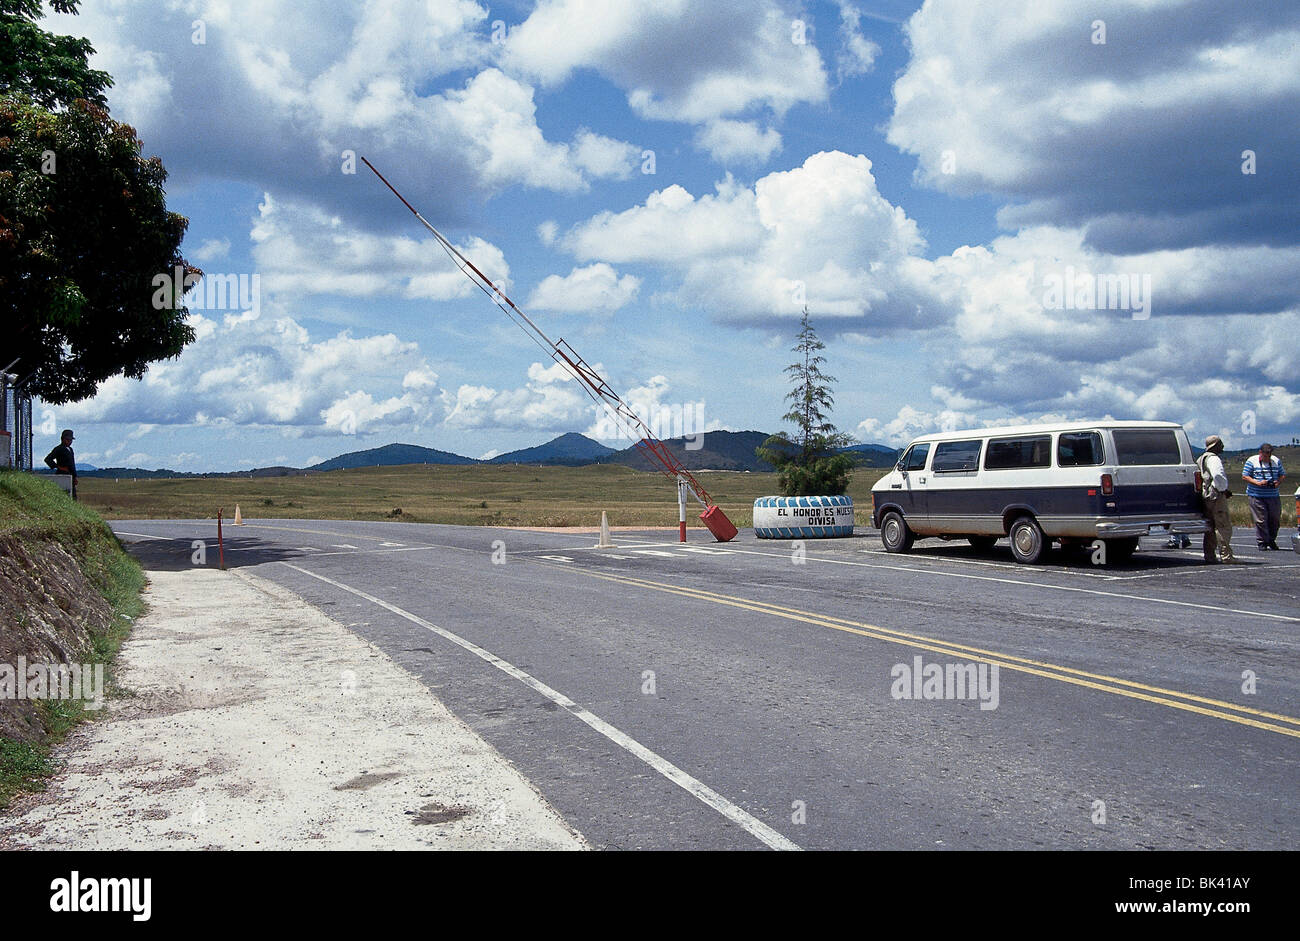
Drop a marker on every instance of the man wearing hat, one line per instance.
(1263, 474)
(62, 461)
(1215, 493)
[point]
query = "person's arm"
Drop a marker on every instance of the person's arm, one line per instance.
(1217, 472)
(50, 462)
(1246, 474)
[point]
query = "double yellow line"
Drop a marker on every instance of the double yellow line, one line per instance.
(1201, 705)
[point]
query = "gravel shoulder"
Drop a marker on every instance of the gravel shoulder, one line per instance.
(253, 721)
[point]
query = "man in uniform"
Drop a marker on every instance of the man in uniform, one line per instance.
(62, 461)
(1215, 493)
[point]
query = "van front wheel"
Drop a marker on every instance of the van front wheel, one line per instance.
(895, 533)
(1027, 541)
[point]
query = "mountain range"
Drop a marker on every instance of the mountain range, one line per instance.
(715, 450)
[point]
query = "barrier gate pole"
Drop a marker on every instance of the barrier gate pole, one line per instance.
(681, 508)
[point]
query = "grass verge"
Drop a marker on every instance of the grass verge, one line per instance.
(34, 511)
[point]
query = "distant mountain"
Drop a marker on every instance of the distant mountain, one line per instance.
(571, 450)
(875, 455)
(389, 455)
(719, 450)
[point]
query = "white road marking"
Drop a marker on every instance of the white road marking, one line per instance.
(1017, 581)
(658, 552)
(344, 545)
(393, 544)
(556, 558)
(686, 782)
(308, 549)
(122, 532)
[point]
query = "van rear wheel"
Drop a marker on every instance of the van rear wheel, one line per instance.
(895, 533)
(1027, 540)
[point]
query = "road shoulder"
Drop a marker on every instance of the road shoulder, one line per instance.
(256, 722)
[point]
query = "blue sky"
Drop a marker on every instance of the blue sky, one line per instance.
(922, 175)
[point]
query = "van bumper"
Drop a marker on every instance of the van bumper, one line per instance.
(1119, 529)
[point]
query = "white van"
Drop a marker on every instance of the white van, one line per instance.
(1072, 483)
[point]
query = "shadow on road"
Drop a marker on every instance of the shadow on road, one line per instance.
(174, 555)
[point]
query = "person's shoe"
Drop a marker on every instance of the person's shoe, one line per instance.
(1273, 546)
(1262, 547)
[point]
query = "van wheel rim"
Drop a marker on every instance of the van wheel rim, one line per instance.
(1026, 540)
(891, 531)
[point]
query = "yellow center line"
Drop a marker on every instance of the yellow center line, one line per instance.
(1010, 662)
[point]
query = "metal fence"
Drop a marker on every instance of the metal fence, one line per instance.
(15, 425)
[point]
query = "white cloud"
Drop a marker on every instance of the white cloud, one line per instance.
(211, 250)
(857, 53)
(728, 141)
(548, 402)
(820, 232)
(594, 289)
(272, 373)
(1139, 138)
(603, 157)
(304, 250)
(676, 60)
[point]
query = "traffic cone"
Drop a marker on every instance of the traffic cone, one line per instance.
(605, 542)
(239, 519)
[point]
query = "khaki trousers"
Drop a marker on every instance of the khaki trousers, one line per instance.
(1219, 536)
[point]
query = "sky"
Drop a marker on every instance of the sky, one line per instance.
(995, 211)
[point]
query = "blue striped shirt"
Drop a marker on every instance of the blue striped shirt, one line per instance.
(1271, 472)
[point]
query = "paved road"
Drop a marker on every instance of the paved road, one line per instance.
(749, 695)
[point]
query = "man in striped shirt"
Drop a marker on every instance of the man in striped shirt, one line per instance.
(1263, 474)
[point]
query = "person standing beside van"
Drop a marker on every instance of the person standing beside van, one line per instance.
(1215, 493)
(1263, 474)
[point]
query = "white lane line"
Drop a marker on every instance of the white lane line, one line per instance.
(122, 532)
(686, 782)
(1017, 581)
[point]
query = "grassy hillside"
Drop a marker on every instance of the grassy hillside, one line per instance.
(477, 495)
(67, 586)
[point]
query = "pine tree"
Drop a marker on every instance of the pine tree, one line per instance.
(809, 462)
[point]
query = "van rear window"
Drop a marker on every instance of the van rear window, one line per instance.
(1010, 453)
(1078, 449)
(1157, 446)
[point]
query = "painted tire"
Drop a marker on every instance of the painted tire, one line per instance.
(803, 517)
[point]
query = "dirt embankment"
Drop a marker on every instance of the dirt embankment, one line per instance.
(49, 612)
(67, 593)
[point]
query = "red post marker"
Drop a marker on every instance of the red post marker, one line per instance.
(221, 548)
(681, 509)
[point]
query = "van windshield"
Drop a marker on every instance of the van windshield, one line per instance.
(1153, 446)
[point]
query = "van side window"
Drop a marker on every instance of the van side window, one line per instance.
(1012, 453)
(915, 457)
(1079, 449)
(957, 456)
(1156, 446)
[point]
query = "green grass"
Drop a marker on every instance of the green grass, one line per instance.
(33, 509)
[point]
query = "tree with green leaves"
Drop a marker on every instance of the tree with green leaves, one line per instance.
(810, 462)
(84, 225)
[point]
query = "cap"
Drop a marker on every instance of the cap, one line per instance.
(1213, 440)
(67, 433)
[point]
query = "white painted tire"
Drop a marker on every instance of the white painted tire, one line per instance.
(803, 517)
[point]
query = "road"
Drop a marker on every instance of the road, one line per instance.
(748, 695)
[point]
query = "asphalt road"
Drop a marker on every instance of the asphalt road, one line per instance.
(747, 695)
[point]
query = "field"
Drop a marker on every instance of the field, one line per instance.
(490, 495)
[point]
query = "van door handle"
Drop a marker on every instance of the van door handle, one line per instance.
(920, 480)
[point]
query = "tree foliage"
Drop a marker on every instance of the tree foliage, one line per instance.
(53, 71)
(84, 225)
(810, 461)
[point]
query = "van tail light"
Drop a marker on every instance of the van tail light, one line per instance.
(1107, 485)
(1199, 481)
